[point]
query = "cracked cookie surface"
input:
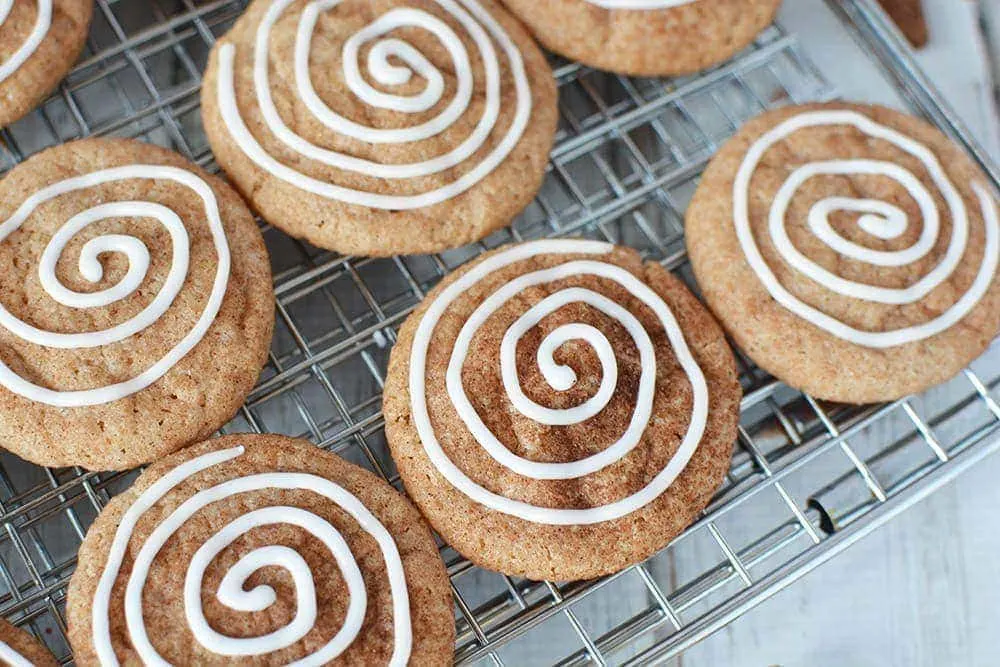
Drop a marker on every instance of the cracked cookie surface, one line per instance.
(39, 42)
(295, 556)
(850, 250)
(381, 128)
(137, 304)
(561, 409)
(660, 39)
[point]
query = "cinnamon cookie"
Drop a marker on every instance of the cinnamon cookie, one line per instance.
(560, 410)
(259, 550)
(19, 649)
(39, 42)
(850, 250)
(136, 306)
(646, 37)
(380, 128)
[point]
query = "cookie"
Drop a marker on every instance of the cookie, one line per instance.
(136, 306)
(850, 250)
(39, 42)
(561, 410)
(19, 649)
(262, 550)
(381, 128)
(909, 16)
(646, 37)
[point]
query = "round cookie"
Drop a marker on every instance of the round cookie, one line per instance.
(646, 37)
(39, 42)
(850, 250)
(585, 418)
(19, 649)
(136, 306)
(278, 551)
(409, 126)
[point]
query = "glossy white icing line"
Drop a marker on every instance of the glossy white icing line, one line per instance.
(647, 380)
(231, 590)
(877, 218)
(232, 593)
(639, 4)
(30, 44)
(480, 26)
(388, 74)
(560, 377)
(91, 269)
(8, 654)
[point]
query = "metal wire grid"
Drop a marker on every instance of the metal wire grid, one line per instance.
(807, 478)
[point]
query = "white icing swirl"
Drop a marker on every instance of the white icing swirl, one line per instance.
(42, 22)
(559, 377)
(91, 269)
(8, 654)
(878, 218)
(231, 590)
(475, 21)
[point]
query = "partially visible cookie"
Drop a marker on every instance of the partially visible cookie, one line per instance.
(381, 128)
(39, 42)
(646, 37)
(560, 409)
(136, 305)
(19, 649)
(850, 250)
(909, 16)
(261, 550)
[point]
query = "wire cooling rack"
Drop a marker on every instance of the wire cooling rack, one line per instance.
(807, 479)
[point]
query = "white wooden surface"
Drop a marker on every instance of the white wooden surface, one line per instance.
(925, 590)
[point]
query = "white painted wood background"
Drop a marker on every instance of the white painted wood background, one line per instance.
(924, 590)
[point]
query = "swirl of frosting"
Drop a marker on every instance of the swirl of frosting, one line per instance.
(558, 376)
(877, 218)
(480, 26)
(30, 44)
(231, 591)
(92, 270)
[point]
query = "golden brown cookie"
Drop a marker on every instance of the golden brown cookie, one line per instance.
(20, 649)
(909, 16)
(136, 306)
(408, 126)
(850, 250)
(39, 42)
(262, 550)
(560, 409)
(646, 37)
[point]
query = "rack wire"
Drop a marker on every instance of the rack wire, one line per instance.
(807, 478)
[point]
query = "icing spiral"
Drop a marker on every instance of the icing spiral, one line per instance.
(8, 654)
(91, 269)
(231, 591)
(877, 218)
(479, 25)
(30, 44)
(559, 377)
